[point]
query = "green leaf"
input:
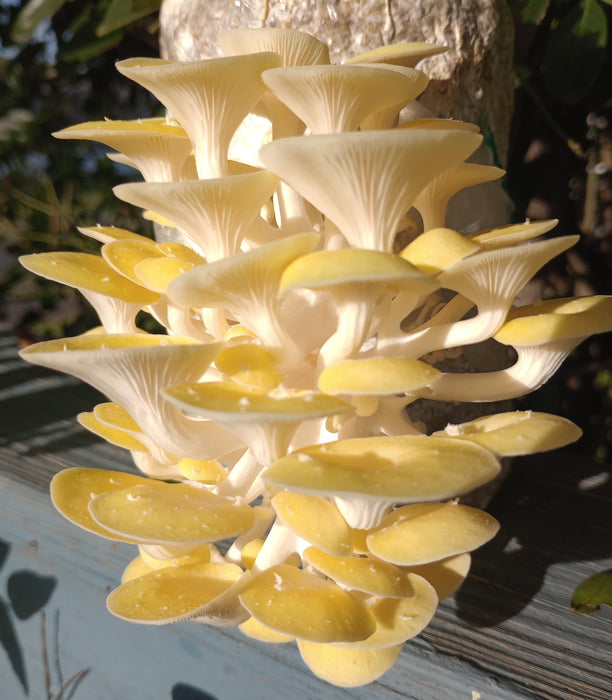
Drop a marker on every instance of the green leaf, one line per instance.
(30, 17)
(575, 52)
(124, 12)
(593, 592)
(85, 52)
(529, 11)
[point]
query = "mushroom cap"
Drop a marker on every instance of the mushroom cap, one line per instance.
(407, 54)
(510, 235)
(340, 97)
(556, 319)
(402, 469)
(438, 123)
(399, 619)
(123, 256)
(110, 131)
(326, 269)
(305, 606)
(115, 436)
(173, 594)
(450, 247)
(87, 272)
(376, 376)
(347, 668)
(364, 574)
(224, 282)
(227, 401)
(315, 520)
(73, 489)
(157, 273)
(423, 533)
(250, 365)
(379, 172)
(207, 471)
(160, 513)
(254, 629)
(295, 48)
(106, 234)
(445, 575)
(516, 432)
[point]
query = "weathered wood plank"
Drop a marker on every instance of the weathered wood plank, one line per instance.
(507, 635)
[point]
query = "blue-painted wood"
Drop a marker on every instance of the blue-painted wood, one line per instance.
(508, 634)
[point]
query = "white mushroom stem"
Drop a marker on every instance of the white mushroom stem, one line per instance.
(362, 512)
(355, 304)
(390, 419)
(234, 553)
(444, 335)
(116, 315)
(293, 213)
(215, 321)
(242, 479)
(534, 366)
(280, 543)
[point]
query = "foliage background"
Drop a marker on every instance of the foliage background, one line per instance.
(57, 65)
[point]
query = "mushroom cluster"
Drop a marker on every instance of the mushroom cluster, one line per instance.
(284, 490)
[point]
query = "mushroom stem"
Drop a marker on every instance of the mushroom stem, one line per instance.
(354, 315)
(293, 213)
(280, 543)
(443, 335)
(242, 478)
(534, 366)
(362, 512)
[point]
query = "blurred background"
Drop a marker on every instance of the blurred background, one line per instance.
(57, 69)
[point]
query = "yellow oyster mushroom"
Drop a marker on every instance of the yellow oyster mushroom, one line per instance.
(379, 172)
(131, 370)
(432, 201)
(305, 606)
(512, 234)
(209, 98)
(156, 148)
(207, 471)
(367, 379)
(365, 476)
(331, 99)
(215, 214)
(116, 298)
(115, 436)
(107, 234)
(266, 422)
(423, 533)
(357, 279)
(161, 513)
(445, 575)
(516, 432)
(294, 48)
(543, 335)
(347, 668)
(406, 54)
(387, 118)
(254, 629)
(369, 575)
(247, 285)
(251, 366)
(73, 489)
(173, 594)
(450, 247)
(313, 519)
(398, 619)
(491, 279)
